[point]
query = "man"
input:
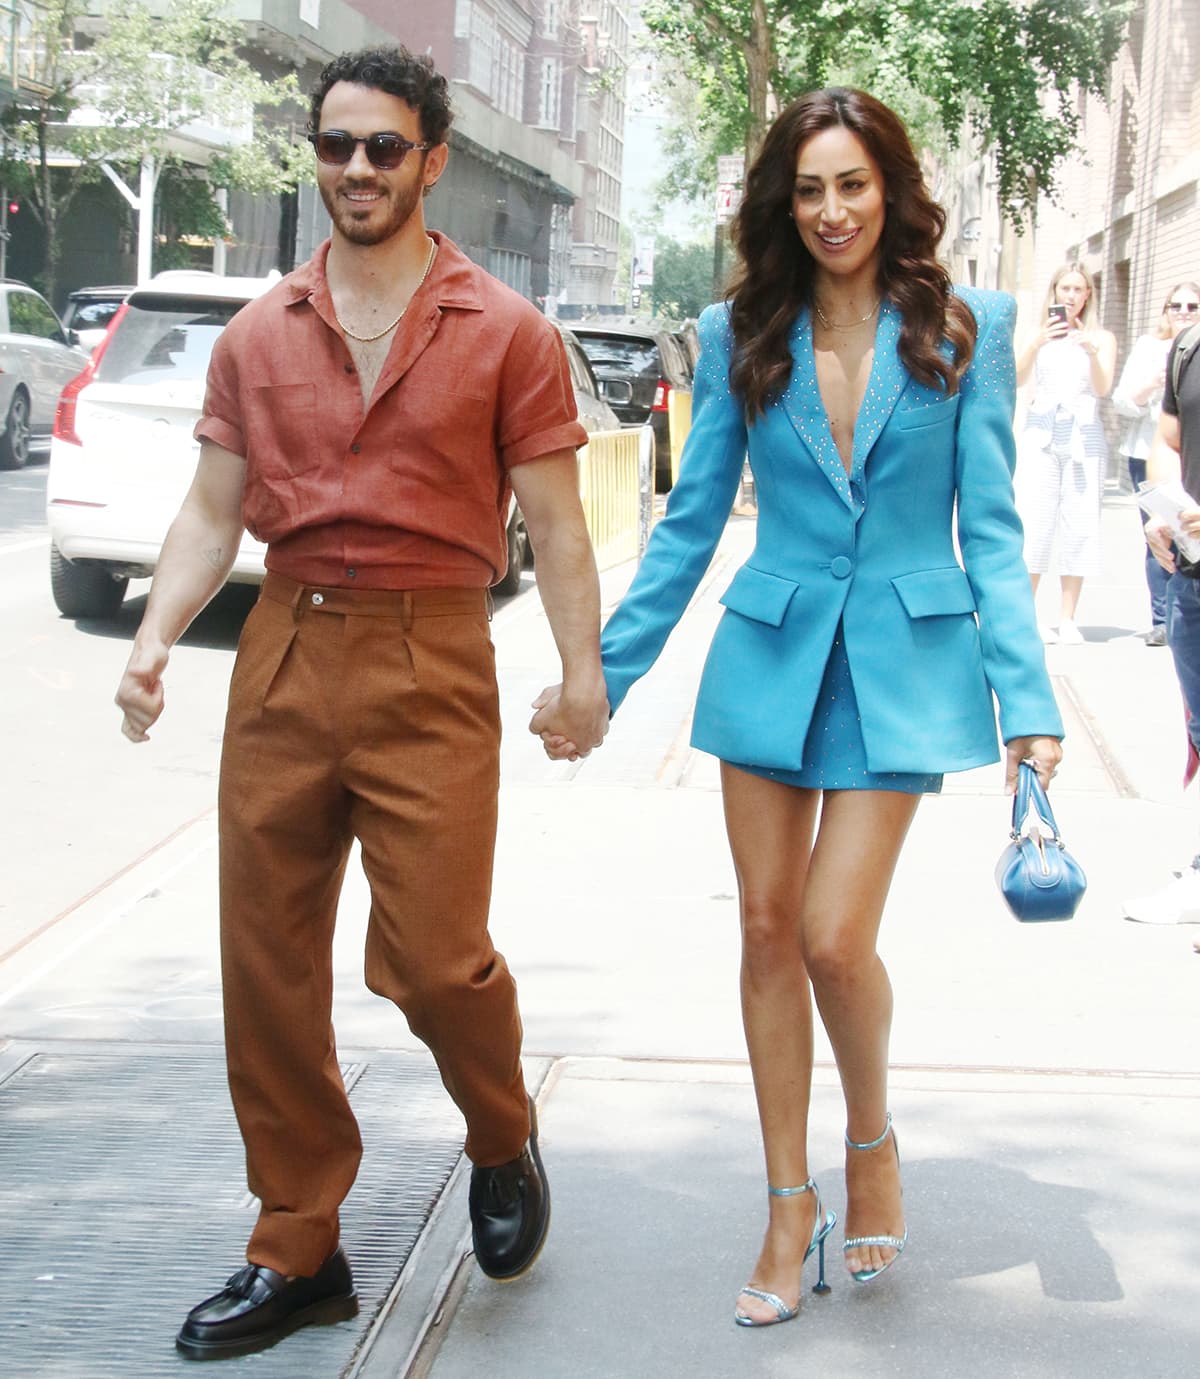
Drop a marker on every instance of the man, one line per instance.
(1175, 455)
(365, 419)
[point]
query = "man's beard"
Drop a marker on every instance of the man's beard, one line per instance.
(367, 230)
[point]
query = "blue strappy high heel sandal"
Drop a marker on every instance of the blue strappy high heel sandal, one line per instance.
(894, 1242)
(823, 1223)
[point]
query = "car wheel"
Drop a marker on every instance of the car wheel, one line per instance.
(84, 588)
(14, 444)
(518, 549)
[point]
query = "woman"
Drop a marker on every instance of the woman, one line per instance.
(848, 671)
(1138, 396)
(1060, 474)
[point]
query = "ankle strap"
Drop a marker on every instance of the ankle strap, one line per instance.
(810, 1186)
(872, 1144)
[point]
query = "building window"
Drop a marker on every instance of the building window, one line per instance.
(512, 268)
(483, 43)
(549, 92)
(550, 19)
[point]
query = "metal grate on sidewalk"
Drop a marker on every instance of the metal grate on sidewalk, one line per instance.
(123, 1203)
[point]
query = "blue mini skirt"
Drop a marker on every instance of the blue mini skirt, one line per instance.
(835, 756)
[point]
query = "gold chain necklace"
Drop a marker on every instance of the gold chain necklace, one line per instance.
(379, 334)
(849, 325)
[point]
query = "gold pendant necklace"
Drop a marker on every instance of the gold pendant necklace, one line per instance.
(849, 325)
(379, 334)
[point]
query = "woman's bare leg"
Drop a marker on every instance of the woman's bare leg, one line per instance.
(853, 859)
(1072, 587)
(770, 830)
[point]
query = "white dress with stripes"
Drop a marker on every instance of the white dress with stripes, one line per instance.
(1061, 458)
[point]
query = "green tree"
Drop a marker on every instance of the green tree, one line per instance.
(683, 278)
(1006, 70)
(145, 78)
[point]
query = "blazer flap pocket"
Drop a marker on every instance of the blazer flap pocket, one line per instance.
(928, 415)
(929, 593)
(756, 594)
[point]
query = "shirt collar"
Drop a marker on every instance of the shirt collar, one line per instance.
(452, 279)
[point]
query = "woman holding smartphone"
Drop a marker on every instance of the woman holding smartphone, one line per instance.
(1062, 451)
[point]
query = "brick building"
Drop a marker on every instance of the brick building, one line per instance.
(1128, 206)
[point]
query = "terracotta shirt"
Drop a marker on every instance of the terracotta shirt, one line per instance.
(414, 493)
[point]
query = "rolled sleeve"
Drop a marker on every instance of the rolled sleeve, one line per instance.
(221, 421)
(537, 413)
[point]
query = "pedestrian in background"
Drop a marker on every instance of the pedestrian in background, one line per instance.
(1175, 456)
(366, 419)
(856, 661)
(1138, 397)
(1062, 450)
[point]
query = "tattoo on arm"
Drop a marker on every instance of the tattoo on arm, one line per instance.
(213, 557)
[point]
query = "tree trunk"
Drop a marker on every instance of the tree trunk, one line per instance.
(760, 62)
(45, 180)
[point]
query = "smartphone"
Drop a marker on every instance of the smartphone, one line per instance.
(1058, 312)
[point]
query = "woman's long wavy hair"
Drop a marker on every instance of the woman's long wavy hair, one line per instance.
(776, 273)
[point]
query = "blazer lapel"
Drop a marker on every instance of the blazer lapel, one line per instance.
(801, 404)
(887, 381)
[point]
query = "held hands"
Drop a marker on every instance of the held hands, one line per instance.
(569, 722)
(1042, 753)
(140, 693)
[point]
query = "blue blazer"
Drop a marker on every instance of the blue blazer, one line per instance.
(929, 641)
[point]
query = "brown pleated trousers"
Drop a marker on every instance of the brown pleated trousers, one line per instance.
(371, 715)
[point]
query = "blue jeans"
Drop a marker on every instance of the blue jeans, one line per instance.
(1156, 576)
(1183, 637)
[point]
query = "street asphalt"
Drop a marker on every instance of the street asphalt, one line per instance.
(1045, 1085)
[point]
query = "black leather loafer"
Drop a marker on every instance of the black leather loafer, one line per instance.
(510, 1211)
(258, 1307)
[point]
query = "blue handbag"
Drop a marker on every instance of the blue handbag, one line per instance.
(1037, 876)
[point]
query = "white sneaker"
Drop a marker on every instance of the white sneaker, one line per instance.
(1069, 634)
(1047, 634)
(1177, 903)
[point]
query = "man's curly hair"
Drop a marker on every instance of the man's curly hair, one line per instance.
(398, 72)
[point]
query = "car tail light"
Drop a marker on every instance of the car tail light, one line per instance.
(661, 393)
(64, 413)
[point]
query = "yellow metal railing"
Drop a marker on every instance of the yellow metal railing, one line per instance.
(608, 487)
(679, 421)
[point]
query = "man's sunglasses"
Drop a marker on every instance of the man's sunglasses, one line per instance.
(384, 151)
(1183, 308)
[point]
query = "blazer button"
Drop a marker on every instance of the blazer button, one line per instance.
(840, 567)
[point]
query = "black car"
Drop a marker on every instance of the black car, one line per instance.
(637, 366)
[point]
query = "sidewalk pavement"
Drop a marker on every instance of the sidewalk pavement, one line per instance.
(1045, 1086)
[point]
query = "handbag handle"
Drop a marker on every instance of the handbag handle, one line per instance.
(1030, 791)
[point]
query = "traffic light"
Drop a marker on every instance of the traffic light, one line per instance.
(13, 207)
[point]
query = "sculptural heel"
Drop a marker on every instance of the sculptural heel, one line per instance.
(823, 1225)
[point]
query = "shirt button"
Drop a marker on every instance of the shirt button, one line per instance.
(355, 448)
(839, 567)
(348, 367)
(318, 600)
(351, 573)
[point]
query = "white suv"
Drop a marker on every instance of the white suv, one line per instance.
(122, 454)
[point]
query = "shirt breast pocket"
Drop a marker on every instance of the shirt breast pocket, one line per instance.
(281, 430)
